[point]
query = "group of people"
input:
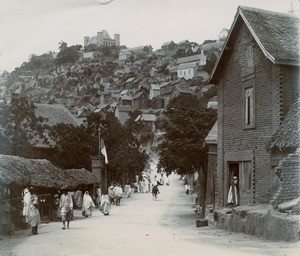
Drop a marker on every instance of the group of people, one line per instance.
(63, 207)
(115, 193)
(31, 212)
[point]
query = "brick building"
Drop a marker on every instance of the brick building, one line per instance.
(257, 77)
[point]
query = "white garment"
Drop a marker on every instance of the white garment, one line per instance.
(26, 203)
(230, 196)
(87, 204)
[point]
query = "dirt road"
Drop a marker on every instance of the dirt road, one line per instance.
(142, 227)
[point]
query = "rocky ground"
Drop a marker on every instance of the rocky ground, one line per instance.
(141, 226)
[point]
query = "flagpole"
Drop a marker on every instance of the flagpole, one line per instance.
(99, 147)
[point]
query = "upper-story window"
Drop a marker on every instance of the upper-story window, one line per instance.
(249, 107)
(249, 55)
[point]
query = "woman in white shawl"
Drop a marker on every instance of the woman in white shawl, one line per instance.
(232, 198)
(87, 205)
(26, 202)
(34, 217)
(66, 208)
(105, 206)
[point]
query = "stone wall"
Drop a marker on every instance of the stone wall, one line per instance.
(260, 221)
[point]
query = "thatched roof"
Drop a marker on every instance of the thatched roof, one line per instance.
(40, 173)
(56, 114)
(287, 136)
(81, 176)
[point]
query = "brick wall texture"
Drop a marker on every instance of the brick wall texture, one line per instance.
(275, 89)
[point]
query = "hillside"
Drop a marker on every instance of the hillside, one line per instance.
(94, 77)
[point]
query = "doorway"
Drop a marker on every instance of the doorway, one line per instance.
(233, 181)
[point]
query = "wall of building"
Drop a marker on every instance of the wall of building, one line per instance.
(237, 143)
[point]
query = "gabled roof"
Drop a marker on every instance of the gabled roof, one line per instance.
(277, 35)
(129, 80)
(124, 108)
(138, 95)
(155, 86)
(212, 136)
(187, 65)
(126, 97)
(55, 114)
(146, 118)
(167, 43)
(183, 42)
(183, 89)
(192, 58)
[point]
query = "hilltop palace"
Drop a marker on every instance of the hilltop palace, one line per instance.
(102, 38)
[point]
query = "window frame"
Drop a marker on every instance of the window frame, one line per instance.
(249, 107)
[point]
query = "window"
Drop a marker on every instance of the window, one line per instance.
(249, 55)
(249, 107)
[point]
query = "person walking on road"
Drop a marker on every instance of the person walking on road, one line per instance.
(98, 196)
(118, 192)
(105, 206)
(155, 192)
(34, 217)
(66, 208)
(87, 205)
(111, 193)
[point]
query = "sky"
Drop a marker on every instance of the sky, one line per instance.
(37, 26)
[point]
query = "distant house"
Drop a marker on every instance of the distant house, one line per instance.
(122, 113)
(184, 45)
(148, 119)
(213, 103)
(169, 47)
(199, 58)
(154, 91)
(153, 71)
(126, 99)
(126, 53)
(223, 34)
(181, 81)
(56, 114)
(257, 78)
(53, 114)
(139, 101)
(188, 70)
(174, 92)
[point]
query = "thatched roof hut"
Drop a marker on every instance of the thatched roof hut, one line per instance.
(287, 136)
(40, 173)
(80, 177)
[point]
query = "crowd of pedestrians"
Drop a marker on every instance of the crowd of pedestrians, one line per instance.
(64, 202)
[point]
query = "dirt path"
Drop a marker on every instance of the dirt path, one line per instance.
(141, 226)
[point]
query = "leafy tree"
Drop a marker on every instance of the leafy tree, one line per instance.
(187, 124)
(75, 145)
(20, 129)
(68, 55)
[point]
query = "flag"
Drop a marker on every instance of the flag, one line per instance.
(103, 150)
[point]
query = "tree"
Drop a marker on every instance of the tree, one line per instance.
(75, 145)
(68, 54)
(187, 124)
(21, 130)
